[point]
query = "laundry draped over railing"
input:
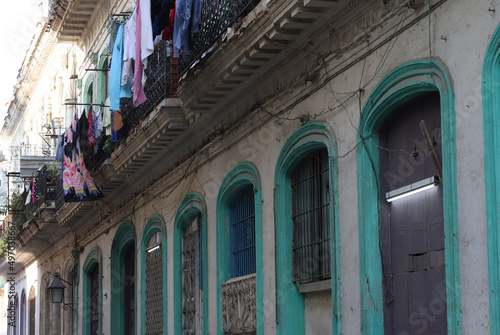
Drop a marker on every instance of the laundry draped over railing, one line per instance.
(75, 149)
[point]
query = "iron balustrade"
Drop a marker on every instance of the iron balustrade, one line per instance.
(216, 17)
(157, 88)
(42, 188)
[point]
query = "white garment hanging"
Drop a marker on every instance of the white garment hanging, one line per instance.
(128, 50)
(147, 45)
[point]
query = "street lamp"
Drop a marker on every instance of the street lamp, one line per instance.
(56, 288)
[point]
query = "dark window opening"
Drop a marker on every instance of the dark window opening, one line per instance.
(192, 282)
(311, 218)
(31, 311)
(94, 300)
(242, 232)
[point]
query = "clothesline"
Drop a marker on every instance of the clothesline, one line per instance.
(81, 104)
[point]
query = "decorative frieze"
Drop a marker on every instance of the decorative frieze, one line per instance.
(239, 305)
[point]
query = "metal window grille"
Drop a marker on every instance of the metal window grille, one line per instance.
(154, 287)
(242, 233)
(22, 324)
(310, 216)
(94, 301)
(192, 289)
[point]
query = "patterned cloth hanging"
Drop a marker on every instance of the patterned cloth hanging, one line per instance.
(78, 184)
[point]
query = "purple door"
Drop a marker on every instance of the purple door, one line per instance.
(412, 228)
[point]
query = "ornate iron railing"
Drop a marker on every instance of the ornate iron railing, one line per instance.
(41, 188)
(216, 17)
(239, 305)
(157, 87)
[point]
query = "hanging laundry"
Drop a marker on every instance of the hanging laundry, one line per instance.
(160, 10)
(144, 39)
(116, 91)
(34, 190)
(106, 120)
(113, 30)
(60, 148)
(181, 25)
(114, 133)
(97, 123)
(128, 50)
(196, 19)
(82, 128)
(27, 201)
(168, 32)
(90, 131)
(78, 185)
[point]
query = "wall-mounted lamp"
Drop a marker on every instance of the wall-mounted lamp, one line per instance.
(56, 288)
(407, 190)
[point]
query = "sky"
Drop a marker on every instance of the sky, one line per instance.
(17, 27)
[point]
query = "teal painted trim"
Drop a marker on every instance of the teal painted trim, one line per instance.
(124, 237)
(76, 256)
(289, 301)
(491, 128)
(87, 97)
(191, 205)
(240, 175)
(155, 223)
(400, 85)
(93, 259)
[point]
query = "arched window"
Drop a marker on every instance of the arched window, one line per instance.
(239, 251)
(310, 191)
(380, 171)
(190, 266)
(31, 311)
(13, 323)
(154, 275)
(123, 257)
(92, 293)
(22, 314)
(69, 298)
(307, 234)
(88, 92)
(45, 305)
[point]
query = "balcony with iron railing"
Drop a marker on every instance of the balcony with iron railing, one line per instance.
(232, 58)
(32, 213)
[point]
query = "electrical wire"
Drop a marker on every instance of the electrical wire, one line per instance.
(302, 96)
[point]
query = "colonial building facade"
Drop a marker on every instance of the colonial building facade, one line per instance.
(268, 183)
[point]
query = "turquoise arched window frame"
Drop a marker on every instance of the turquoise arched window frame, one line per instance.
(154, 224)
(400, 85)
(93, 259)
(192, 204)
(290, 302)
(124, 238)
(243, 174)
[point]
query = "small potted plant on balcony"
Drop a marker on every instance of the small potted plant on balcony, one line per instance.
(52, 172)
